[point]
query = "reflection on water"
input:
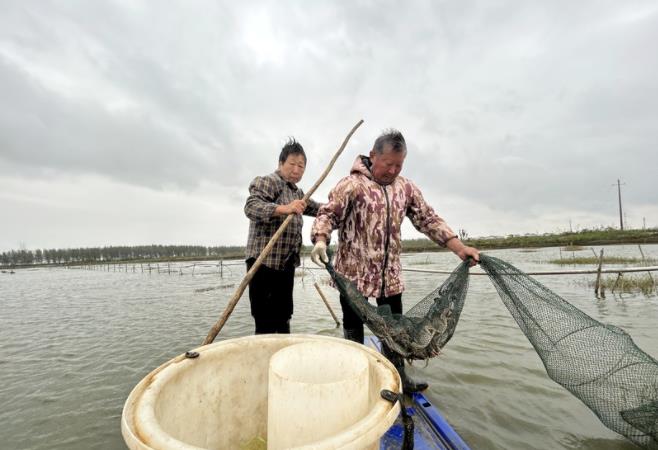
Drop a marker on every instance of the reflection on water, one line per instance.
(75, 342)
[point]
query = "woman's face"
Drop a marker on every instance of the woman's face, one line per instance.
(292, 169)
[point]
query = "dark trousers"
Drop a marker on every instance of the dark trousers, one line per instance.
(351, 321)
(270, 295)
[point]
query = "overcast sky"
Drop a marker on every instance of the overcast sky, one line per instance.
(129, 122)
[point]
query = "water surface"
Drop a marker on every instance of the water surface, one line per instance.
(75, 342)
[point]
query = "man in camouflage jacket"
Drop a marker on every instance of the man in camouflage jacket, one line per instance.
(271, 199)
(368, 208)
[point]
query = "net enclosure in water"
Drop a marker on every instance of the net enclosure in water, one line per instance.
(598, 363)
(425, 328)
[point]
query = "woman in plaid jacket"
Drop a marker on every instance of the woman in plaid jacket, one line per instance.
(271, 199)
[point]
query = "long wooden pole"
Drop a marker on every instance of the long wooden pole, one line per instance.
(324, 299)
(548, 272)
(212, 334)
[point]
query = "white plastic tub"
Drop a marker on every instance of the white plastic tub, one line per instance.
(220, 400)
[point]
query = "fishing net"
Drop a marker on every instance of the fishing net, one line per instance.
(425, 328)
(598, 363)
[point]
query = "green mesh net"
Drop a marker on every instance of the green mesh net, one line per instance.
(425, 328)
(598, 363)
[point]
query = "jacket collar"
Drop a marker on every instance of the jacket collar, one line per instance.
(362, 165)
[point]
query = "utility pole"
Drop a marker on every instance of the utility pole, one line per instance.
(621, 217)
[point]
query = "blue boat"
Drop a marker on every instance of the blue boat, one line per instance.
(431, 430)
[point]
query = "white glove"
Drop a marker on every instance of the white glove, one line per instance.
(319, 254)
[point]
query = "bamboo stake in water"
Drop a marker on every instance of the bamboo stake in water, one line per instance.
(644, 262)
(324, 299)
(597, 285)
(212, 334)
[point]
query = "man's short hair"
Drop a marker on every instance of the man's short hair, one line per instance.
(292, 147)
(390, 137)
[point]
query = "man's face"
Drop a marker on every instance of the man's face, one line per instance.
(292, 169)
(386, 166)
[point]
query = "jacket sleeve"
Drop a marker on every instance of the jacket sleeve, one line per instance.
(424, 218)
(312, 208)
(332, 214)
(261, 203)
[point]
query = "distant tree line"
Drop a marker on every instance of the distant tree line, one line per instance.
(116, 254)
(99, 255)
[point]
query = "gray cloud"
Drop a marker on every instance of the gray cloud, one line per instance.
(518, 110)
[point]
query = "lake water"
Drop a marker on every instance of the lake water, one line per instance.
(75, 342)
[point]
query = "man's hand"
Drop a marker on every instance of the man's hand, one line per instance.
(319, 253)
(463, 251)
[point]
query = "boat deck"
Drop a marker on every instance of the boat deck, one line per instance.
(431, 430)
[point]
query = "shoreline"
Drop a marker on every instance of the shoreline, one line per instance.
(569, 241)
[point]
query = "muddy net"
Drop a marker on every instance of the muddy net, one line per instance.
(598, 363)
(424, 329)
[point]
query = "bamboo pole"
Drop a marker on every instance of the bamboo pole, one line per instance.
(597, 285)
(324, 299)
(622, 284)
(547, 272)
(644, 261)
(212, 334)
